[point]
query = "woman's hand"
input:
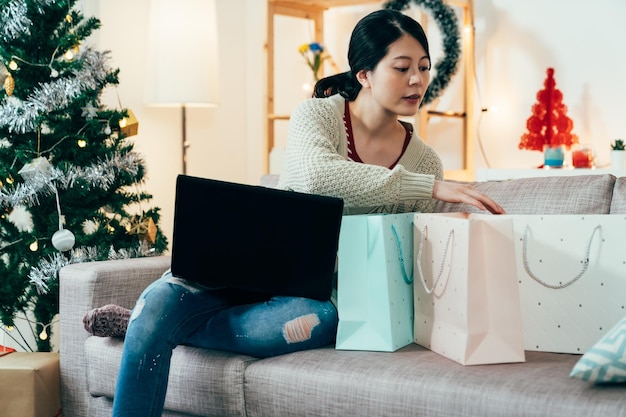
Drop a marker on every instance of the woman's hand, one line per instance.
(453, 192)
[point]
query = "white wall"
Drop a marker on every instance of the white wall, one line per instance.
(582, 40)
(515, 43)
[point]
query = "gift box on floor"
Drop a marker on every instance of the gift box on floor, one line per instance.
(30, 384)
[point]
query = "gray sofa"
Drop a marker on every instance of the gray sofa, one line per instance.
(326, 382)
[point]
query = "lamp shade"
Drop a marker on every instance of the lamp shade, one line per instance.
(182, 66)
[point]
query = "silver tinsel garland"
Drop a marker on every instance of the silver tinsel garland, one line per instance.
(21, 116)
(48, 269)
(13, 20)
(101, 174)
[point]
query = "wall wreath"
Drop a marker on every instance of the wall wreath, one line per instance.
(447, 23)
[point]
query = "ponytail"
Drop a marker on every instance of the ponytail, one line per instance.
(343, 83)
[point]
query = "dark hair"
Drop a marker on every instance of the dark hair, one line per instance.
(369, 43)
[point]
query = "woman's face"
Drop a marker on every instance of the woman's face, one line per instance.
(399, 81)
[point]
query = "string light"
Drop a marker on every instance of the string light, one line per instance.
(34, 247)
(81, 143)
(43, 335)
(13, 65)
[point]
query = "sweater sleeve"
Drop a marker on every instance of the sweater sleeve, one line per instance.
(315, 163)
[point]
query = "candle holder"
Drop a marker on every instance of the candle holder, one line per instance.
(553, 156)
(583, 156)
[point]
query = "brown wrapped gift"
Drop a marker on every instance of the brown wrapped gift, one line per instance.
(30, 385)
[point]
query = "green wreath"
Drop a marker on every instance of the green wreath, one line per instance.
(448, 25)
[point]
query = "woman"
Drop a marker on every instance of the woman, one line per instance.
(357, 121)
(348, 143)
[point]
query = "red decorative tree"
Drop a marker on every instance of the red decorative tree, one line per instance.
(549, 124)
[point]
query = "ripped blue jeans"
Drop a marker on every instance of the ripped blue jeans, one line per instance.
(173, 312)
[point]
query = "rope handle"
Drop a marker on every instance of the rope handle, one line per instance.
(585, 261)
(407, 278)
(443, 259)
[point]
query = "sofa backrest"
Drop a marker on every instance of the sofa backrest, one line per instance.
(579, 194)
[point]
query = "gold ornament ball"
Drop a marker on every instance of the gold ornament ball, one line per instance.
(63, 240)
(9, 85)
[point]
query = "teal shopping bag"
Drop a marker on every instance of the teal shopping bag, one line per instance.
(375, 282)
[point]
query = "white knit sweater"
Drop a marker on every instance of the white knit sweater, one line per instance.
(316, 163)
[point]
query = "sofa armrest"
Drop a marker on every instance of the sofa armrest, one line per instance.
(89, 285)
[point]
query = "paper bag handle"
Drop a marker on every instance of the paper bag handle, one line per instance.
(585, 261)
(443, 259)
(407, 278)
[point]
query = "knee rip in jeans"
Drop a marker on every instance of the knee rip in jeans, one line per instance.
(300, 328)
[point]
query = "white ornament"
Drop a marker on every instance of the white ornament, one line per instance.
(37, 167)
(63, 240)
(89, 111)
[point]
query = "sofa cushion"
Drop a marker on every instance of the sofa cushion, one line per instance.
(606, 360)
(414, 381)
(580, 194)
(202, 382)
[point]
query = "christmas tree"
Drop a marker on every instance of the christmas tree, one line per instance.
(70, 182)
(549, 124)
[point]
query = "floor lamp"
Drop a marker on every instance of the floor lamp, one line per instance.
(182, 66)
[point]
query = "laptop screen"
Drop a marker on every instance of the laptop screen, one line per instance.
(254, 238)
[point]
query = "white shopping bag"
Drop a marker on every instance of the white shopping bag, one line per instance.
(467, 305)
(375, 282)
(572, 271)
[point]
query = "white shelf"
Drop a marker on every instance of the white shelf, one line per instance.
(491, 174)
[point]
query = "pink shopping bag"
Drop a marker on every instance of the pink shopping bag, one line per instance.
(467, 304)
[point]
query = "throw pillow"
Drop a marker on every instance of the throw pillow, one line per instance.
(605, 362)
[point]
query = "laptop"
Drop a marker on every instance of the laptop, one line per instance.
(255, 238)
